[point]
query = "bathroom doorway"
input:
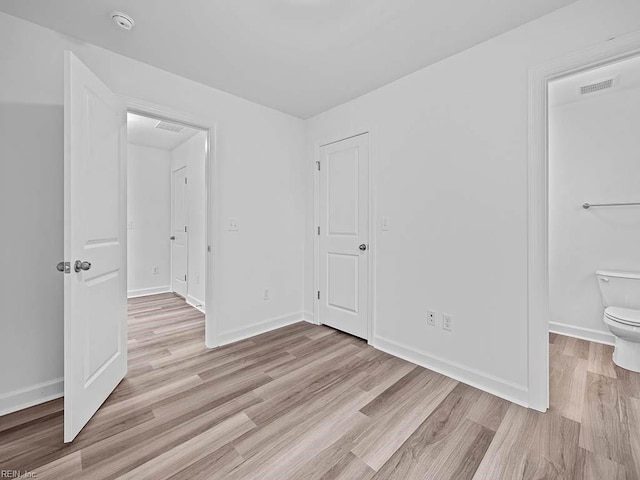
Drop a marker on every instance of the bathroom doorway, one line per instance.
(593, 234)
(594, 195)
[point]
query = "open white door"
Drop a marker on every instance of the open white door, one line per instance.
(95, 286)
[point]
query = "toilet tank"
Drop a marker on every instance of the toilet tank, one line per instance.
(619, 289)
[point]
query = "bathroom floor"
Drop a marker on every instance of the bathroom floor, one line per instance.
(602, 403)
(308, 402)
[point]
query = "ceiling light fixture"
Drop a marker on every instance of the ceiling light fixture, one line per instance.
(123, 20)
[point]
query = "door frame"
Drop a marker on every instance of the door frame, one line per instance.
(212, 198)
(372, 227)
(187, 232)
(613, 50)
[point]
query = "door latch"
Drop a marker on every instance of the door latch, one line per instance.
(64, 267)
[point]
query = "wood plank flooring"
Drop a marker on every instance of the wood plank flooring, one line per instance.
(307, 402)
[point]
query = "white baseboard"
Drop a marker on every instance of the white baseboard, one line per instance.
(28, 397)
(308, 317)
(589, 334)
(496, 386)
(195, 303)
(143, 292)
(258, 328)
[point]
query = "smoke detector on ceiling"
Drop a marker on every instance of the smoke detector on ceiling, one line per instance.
(597, 86)
(123, 20)
(170, 127)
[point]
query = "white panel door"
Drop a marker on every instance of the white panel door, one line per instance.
(95, 244)
(179, 251)
(344, 235)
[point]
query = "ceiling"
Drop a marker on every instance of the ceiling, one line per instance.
(625, 75)
(301, 57)
(141, 131)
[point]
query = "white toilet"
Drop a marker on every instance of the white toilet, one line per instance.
(621, 298)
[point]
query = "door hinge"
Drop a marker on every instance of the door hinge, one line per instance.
(185, 180)
(318, 230)
(318, 164)
(318, 294)
(185, 278)
(209, 248)
(185, 229)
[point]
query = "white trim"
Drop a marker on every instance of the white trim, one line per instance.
(334, 138)
(308, 317)
(28, 397)
(496, 386)
(195, 303)
(615, 49)
(260, 327)
(212, 215)
(143, 292)
(589, 334)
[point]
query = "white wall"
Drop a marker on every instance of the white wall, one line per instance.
(449, 152)
(191, 154)
(261, 170)
(149, 219)
(594, 156)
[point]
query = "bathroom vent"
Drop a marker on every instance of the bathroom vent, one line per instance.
(596, 87)
(170, 127)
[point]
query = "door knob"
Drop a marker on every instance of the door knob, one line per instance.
(363, 247)
(81, 266)
(60, 267)
(172, 237)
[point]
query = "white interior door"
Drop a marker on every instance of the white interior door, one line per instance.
(179, 251)
(344, 235)
(95, 287)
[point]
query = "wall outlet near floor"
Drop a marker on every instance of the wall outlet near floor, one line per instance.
(267, 295)
(431, 318)
(155, 270)
(447, 322)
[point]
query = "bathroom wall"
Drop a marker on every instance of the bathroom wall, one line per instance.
(191, 154)
(148, 219)
(594, 147)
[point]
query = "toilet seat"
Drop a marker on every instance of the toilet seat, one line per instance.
(628, 316)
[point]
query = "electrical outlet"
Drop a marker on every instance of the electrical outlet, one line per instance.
(267, 295)
(233, 225)
(431, 318)
(447, 322)
(155, 270)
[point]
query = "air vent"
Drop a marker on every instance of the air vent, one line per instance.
(170, 127)
(596, 87)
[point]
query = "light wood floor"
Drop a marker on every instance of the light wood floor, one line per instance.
(307, 402)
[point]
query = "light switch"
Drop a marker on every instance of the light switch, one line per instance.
(385, 223)
(233, 225)
(130, 225)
